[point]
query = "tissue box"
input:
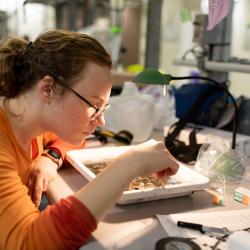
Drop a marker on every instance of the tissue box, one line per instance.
(242, 141)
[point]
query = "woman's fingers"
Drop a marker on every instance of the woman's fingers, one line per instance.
(150, 144)
(166, 172)
(45, 184)
(173, 165)
(151, 157)
(41, 174)
(30, 186)
(171, 169)
(159, 146)
(169, 166)
(37, 189)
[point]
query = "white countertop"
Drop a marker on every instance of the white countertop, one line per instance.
(135, 226)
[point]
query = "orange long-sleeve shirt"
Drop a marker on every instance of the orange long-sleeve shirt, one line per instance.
(65, 225)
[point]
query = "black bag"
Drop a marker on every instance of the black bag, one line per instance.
(243, 122)
(181, 151)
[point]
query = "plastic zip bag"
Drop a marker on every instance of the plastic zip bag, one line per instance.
(222, 165)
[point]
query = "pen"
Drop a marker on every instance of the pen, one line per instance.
(203, 229)
(189, 225)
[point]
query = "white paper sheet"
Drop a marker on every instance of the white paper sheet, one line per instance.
(233, 220)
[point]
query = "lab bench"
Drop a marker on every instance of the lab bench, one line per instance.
(135, 226)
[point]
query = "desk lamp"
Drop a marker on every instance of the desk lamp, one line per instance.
(152, 76)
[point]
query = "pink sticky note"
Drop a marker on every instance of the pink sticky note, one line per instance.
(218, 9)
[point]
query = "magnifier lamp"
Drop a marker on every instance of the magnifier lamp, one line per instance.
(152, 76)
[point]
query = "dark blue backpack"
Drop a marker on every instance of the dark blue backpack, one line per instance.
(209, 110)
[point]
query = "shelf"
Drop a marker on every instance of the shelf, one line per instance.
(216, 66)
(120, 77)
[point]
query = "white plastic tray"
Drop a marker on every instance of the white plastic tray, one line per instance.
(186, 181)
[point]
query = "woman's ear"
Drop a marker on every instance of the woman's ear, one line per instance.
(46, 88)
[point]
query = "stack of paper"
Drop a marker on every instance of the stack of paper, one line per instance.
(234, 220)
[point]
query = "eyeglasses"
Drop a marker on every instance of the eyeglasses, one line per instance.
(98, 111)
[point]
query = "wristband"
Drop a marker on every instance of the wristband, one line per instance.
(54, 155)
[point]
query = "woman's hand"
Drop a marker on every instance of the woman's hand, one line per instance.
(151, 157)
(42, 173)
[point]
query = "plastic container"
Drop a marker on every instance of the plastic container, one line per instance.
(185, 182)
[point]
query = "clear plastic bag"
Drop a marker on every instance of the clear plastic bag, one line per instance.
(132, 111)
(224, 167)
(164, 106)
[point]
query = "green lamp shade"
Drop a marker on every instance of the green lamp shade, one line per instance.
(152, 76)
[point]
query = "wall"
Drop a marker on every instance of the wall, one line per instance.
(29, 20)
(176, 35)
(241, 46)
(177, 38)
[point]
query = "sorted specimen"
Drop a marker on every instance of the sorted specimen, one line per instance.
(139, 183)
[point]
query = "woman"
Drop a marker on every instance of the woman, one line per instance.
(58, 85)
